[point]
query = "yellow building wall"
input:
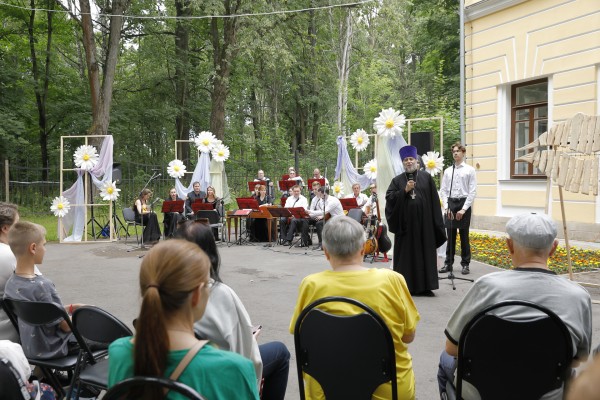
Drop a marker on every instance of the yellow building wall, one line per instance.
(517, 42)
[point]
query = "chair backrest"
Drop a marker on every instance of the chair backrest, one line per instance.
(121, 389)
(212, 216)
(10, 382)
(356, 214)
(357, 347)
(40, 313)
(128, 214)
(93, 323)
(516, 353)
(9, 314)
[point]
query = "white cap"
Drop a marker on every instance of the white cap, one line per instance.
(533, 231)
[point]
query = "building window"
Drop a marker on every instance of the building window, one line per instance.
(529, 116)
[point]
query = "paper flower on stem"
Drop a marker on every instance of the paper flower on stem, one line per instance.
(359, 140)
(176, 169)
(205, 141)
(220, 153)
(60, 206)
(389, 123)
(370, 169)
(109, 191)
(86, 157)
(433, 163)
(338, 189)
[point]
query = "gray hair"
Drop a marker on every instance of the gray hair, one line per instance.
(343, 236)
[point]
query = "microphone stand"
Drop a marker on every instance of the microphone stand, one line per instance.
(451, 231)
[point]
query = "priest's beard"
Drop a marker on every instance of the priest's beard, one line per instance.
(412, 169)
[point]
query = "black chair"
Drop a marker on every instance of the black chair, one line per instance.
(10, 382)
(356, 214)
(10, 315)
(44, 313)
(129, 217)
(532, 353)
(348, 355)
(97, 325)
(120, 390)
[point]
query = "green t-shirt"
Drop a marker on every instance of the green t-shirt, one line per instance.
(215, 374)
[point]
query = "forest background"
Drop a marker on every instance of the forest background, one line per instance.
(277, 87)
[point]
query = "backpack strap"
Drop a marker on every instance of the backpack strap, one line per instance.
(187, 359)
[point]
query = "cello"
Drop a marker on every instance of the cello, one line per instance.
(384, 243)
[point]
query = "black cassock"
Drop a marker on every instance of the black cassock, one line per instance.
(419, 230)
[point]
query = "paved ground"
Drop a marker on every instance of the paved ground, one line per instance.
(266, 279)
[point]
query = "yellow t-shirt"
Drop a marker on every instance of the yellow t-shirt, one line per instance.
(386, 293)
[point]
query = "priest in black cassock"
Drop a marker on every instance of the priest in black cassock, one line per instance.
(414, 215)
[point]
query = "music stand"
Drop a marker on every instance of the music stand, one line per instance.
(285, 185)
(170, 206)
(252, 185)
(198, 205)
(236, 214)
(320, 180)
(247, 203)
(349, 203)
(298, 213)
(282, 201)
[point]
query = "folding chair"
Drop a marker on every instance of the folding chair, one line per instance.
(45, 313)
(129, 217)
(356, 214)
(357, 347)
(214, 220)
(11, 383)
(120, 390)
(507, 354)
(97, 325)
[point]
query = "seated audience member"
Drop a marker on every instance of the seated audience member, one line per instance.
(192, 196)
(9, 215)
(531, 241)
(587, 384)
(227, 324)
(174, 287)
(13, 354)
(27, 242)
(383, 290)
(144, 215)
(171, 219)
(288, 228)
(322, 208)
(361, 198)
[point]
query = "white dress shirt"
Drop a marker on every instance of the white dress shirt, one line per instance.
(299, 201)
(332, 206)
(464, 184)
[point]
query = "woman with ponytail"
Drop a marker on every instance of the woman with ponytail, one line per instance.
(174, 279)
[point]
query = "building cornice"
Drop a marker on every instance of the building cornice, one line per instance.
(486, 7)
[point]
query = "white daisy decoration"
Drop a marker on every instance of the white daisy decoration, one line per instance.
(359, 140)
(370, 169)
(109, 191)
(389, 123)
(338, 189)
(60, 206)
(176, 169)
(220, 153)
(205, 141)
(433, 163)
(86, 157)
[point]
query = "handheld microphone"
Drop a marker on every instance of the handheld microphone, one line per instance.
(410, 176)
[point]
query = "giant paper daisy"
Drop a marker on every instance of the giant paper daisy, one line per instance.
(60, 206)
(389, 123)
(86, 157)
(359, 140)
(176, 169)
(109, 191)
(205, 141)
(370, 169)
(338, 189)
(433, 163)
(220, 153)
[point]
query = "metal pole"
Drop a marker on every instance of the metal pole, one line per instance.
(6, 177)
(461, 11)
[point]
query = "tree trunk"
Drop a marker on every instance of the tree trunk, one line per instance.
(254, 109)
(40, 84)
(182, 39)
(343, 67)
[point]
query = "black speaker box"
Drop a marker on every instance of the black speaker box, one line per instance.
(423, 141)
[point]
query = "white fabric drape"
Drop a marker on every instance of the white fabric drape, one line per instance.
(209, 173)
(100, 173)
(345, 171)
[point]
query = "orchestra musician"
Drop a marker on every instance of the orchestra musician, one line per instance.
(294, 177)
(322, 207)
(193, 196)
(211, 198)
(317, 175)
(288, 228)
(258, 226)
(361, 198)
(260, 177)
(171, 219)
(144, 215)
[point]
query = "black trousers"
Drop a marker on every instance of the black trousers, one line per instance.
(465, 247)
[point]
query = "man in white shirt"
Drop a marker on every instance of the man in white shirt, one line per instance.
(458, 190)
(361, 198)
(322, 205)
(317, 175)
(296, 200)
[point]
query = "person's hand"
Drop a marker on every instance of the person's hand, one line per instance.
(460, 214)
(410, 185)
(449, 215)
(256, 331)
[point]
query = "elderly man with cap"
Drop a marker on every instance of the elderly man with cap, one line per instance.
(531, 241)
(413, 213)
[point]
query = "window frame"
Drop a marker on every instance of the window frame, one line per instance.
(513, 111)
